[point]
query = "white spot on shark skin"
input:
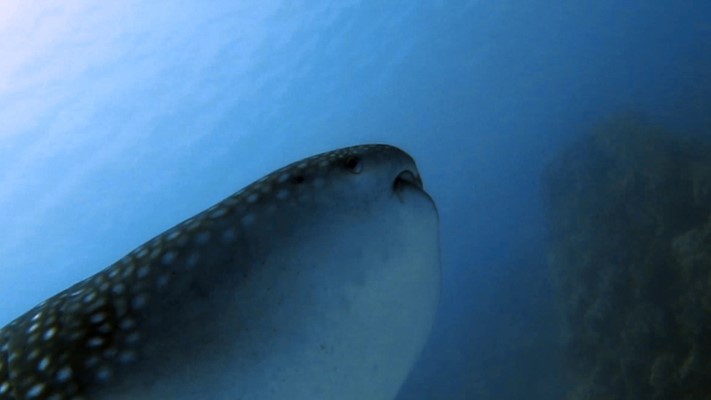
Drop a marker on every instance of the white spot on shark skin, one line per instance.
(35, 391)
(248, 220)
(168, 257)
(127, 356)
(162, 281)
(192, 260)
(34, 354)
(193, 224)
(128, 270)
(103, 373)
(139, 301)
(283, 178)
(157, 250)
(119, 288)
(229, 236)
(174, 234)
(91, 362)
(218, 213)
(63, 374)
(133, 338)
(202, 238)
(49, 334)
(33, 327)
(282, 194)
(229, 203)
(277, 239)
(97, 318)
(127, 324)
(43, 364)
(143, 271)
(141, 252)
(95, 342)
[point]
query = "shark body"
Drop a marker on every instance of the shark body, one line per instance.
(318, 281)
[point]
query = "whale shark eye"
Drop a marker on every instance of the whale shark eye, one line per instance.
(353, 164)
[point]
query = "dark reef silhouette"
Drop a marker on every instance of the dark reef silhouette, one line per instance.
(629, 209)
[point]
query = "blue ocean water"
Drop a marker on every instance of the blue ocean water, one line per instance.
(119, 120)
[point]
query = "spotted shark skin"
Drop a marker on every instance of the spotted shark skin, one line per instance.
(320, 280)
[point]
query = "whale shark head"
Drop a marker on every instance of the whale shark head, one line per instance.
(318, 281)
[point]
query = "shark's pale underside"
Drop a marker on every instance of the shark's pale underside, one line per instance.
(319, 281)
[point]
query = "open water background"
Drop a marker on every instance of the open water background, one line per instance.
(119, 119)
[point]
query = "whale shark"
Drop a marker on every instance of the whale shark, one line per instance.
(319, 281)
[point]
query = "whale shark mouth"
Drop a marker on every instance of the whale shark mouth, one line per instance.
(407, 178)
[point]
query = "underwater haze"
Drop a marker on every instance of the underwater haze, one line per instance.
(120, 119)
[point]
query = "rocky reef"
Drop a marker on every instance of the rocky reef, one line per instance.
(629, 209)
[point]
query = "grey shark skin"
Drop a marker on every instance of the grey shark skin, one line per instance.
(319, 281)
